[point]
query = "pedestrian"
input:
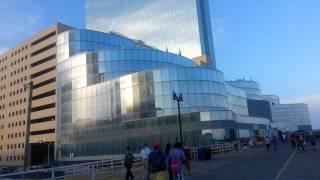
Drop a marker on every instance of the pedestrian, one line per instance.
(300, 140)
(188, 155)
(157, 162)
(274, 142)
(128, 161)
(245, 143)
(145, 152)
(284, 137)
(251, 147)
(167, 151)
(176, 160)
(293, 140)
(267, 143)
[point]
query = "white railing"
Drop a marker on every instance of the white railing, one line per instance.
(109, 167)
(217, 148)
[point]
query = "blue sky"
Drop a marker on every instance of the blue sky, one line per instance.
(275, 42)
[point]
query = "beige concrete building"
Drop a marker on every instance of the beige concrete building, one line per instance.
(32, 60)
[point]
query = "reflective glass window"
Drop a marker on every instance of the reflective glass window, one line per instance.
(76, 35)
(181, 74)
(173, 74)
(165, 75)
(166, 88)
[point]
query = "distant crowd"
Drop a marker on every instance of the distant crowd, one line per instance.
(298, 140)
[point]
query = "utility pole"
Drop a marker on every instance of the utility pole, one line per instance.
(178, 99)
(27, 134)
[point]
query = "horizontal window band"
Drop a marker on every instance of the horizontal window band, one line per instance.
(43, 38)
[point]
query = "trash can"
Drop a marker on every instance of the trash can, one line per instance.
(208, 154)
(201, 153)
(204, 154)
(236, 147)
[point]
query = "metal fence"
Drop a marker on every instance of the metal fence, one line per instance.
(217, 148)
(109, 167)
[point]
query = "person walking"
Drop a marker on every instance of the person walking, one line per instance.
(274, 142)
(145, 152)
(300, 140)
(293, 140)
(176, 160)
(157, 162)
(188, 155)
(251, 147)
(267, 143)
(167, 151)
(128, 161)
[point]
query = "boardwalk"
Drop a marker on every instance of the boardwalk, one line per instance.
(284, 164)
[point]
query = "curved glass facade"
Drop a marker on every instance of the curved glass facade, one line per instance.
(114, 92)
(237, 100)
(251, 88)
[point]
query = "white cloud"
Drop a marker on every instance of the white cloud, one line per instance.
(314, 107)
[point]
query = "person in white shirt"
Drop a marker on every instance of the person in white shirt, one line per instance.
(145, 152)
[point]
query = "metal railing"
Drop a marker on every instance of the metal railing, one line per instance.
(109, 167)
(93, 168)
(217, 148)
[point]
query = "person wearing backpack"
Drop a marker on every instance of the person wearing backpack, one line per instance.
(176, 160)
(157, 162)
(128, 161)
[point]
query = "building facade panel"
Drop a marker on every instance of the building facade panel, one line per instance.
(291, 117)
(18, 66)
(174, 25)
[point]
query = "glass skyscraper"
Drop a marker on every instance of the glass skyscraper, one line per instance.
(114, 91)
(114, 88)
(179, 26)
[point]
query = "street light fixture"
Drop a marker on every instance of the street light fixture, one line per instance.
(28, 86)
(178, 99)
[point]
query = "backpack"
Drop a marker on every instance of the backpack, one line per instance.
(128, 160)
(175, 165)
(157, 161)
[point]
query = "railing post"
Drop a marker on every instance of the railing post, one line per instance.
(122, 165)
(93, 173)
(112, 168)
(52, 174)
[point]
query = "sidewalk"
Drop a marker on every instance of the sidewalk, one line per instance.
(238, 166)
(284, 164)
(304, 165)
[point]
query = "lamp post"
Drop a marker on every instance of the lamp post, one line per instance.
(29, 86)
(178, 99)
